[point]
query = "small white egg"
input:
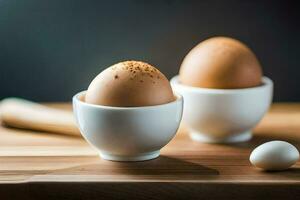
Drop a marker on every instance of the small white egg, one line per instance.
(274, 155)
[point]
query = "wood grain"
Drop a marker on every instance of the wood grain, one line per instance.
(50, 166)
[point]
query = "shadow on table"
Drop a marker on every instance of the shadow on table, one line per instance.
(165, 165)
(292, 173)
(159, 168)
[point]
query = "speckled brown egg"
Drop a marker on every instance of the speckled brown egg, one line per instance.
(222, 63)
(130, 84)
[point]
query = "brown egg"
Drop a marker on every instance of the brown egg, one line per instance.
(130, 83)
(222, 63)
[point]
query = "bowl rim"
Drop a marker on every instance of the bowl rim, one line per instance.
(266, 83)
(179, 99)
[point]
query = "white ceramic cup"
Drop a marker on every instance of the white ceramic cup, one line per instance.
(128, 133)
(223, 115)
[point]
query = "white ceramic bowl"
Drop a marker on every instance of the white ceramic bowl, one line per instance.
(223, 115)
(128, 133)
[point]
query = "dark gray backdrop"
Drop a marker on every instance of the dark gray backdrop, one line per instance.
(51, 49)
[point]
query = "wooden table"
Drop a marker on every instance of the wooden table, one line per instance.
(36, 165)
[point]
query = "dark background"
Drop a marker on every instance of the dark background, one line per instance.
(51, 49)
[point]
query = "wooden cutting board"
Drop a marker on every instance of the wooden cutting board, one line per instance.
(37, 165)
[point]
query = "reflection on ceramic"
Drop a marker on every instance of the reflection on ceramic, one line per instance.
(128, 133)
(223, 115)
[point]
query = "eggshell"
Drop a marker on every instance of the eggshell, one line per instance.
(130, 84)
(221, 63)
(274, 155)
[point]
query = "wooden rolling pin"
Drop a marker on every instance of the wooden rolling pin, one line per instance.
(20, 113)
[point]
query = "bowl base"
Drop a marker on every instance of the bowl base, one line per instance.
(200, 137)
(124, 158)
